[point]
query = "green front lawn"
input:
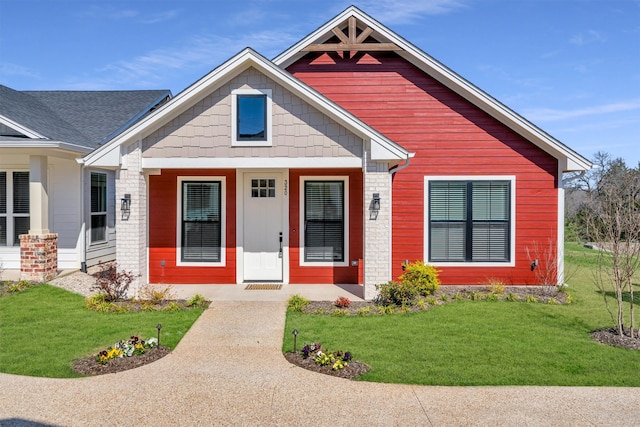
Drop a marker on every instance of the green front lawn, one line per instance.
(482, 342)
(44, 329)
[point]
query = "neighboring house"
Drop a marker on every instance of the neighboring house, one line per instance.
(64, 211)
(343, 158)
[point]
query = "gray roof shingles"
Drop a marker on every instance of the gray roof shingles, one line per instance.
(83, 118)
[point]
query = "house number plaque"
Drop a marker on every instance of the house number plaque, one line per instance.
(286, 189)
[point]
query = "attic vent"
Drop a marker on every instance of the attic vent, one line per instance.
(352, 41)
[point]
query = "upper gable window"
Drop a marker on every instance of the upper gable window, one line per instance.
(251, 117)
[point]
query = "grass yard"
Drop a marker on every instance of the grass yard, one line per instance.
(483, 342)
(44, 329)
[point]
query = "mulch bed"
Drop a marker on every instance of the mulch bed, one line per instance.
(353, 370)
(90, 366)
(610, 336)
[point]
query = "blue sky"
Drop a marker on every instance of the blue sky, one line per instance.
(570, 66)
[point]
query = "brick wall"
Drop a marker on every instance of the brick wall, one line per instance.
(131, 243)
(377, 251)
(38, 257)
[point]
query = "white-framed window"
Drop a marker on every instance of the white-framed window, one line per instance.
(324, 220)
(251, 117)
(201, 224)
(14, 206)
(470, 221)
(98, 207)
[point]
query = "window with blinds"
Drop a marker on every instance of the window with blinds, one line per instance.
(324, 221)
(98, 207)
(201, 221)
(3, 208)
(469, 221)
(14, 213)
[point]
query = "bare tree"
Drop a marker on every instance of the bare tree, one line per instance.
(612, 215)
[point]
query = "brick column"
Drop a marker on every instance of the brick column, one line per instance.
(38, 257)
(131, 240)
(377, 228)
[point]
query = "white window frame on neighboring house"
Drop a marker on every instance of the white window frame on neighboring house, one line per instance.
(236, 139)
(510, 262)
(345, 183)
(98, 207)
(223, 216)
(8, 214)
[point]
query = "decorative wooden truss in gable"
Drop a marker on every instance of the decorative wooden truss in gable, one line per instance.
(351, 42)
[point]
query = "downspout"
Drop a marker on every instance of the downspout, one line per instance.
(392, 172)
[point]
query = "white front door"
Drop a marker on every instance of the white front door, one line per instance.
(263, 226)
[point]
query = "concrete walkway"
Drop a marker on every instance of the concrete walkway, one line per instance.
(229, 370)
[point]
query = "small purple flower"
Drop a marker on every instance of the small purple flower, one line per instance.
(347, 357)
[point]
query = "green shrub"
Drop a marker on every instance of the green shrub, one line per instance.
(512, 297)
(495, 286)
(197, 301)
(20, 286)
(396, 293)
(444, 297)
(423, 277)
(297, 303)
(363, 311)
(492, 297)
(458, 296)
(172, 306)
(531, 299)
(476, 296)
(339, 312)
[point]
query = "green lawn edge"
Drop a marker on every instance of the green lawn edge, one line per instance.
(478, 343)
(44, 329)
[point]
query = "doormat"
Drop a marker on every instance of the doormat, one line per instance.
(263, 287)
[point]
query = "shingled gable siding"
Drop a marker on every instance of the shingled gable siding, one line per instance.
(450, 136)
(299, 130)
(162, 230)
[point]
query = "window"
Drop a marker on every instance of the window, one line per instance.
(251, 117)
(14, 207)
(98, 207)
(469, 221)
(201, 222)
(324, 220)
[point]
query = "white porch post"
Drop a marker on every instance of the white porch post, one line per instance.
(131, 240)
(38, 196)
(377, 227)
(39, 248)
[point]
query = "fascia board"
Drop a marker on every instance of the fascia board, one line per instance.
(77, 149)
(22, 129)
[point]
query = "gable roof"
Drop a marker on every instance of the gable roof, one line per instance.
(382, 147)
(75, 120)
(377, 34)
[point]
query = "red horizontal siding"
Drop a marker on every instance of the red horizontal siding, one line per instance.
(330, 274)
(450, 136)
(162, 231)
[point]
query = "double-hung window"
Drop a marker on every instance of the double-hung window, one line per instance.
(324, 217)
(98, 207)
(251, 117)
(469, 221)
(14, 207)
(201, 221)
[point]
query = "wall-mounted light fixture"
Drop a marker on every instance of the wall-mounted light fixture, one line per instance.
(125, 203)
(375, 205)
(534, 264)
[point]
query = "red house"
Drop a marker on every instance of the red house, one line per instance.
(346, 156)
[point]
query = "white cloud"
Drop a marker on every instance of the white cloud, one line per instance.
(550, 115)
(401, 11)
(9, 69)
(591, 36)
(196, 55)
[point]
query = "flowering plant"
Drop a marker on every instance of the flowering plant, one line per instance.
(337, 359)
(132, 347)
